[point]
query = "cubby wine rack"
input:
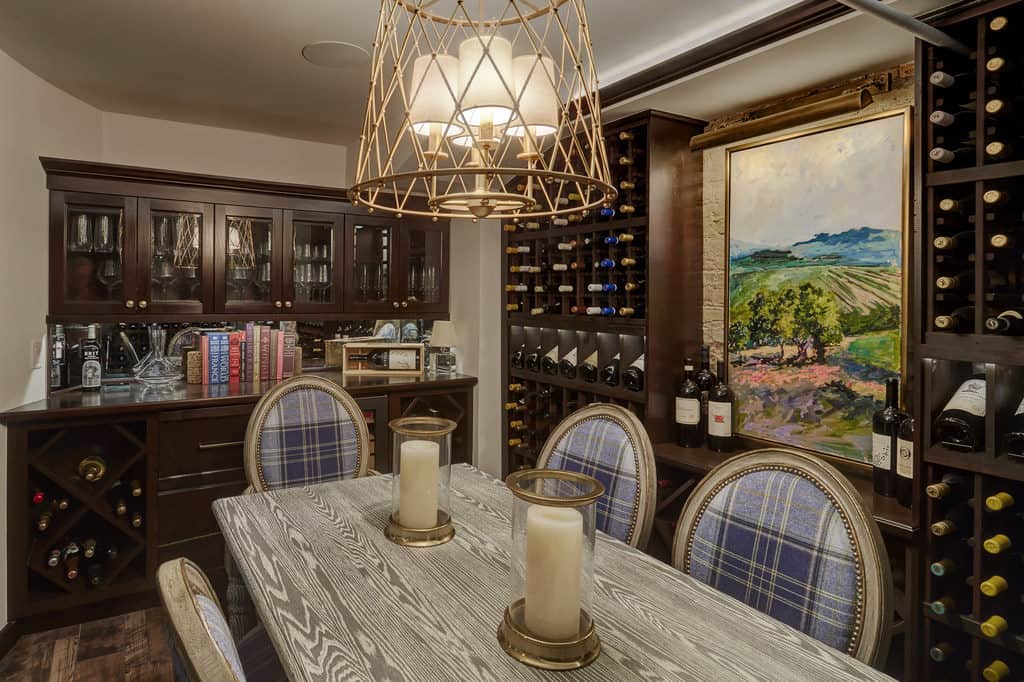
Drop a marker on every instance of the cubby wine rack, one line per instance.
(619, 284)
(972, 286)
(81, 510)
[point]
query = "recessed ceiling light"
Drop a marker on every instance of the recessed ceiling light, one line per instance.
(334, 54)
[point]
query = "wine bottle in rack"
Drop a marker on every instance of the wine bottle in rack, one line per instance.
(952, 119)
(89, 548)
(635, 286)
(513, 288)
(96, 573)
(92, 468)
(995, 197)
(963, 281)
(627, 186)
(960, 242)
(942, 652)
(721, 413)
(963, 79)
(1006, 322)
(961, 154)
(44, 516)
(999, 150)
(950, 485)
(70, 559)
(885, 426)
(602, 287)
(905, 462)
(53, 558)
(588, 370)
(549, 363)
(518, 359)
(957, 522)
(567, 365)
(943, 606)
(118, 499)
(533, 361)
(942, 568)
(1000, 501)
(633, 376)
(604, 311)
(517, 249)
(610, 372)
(961, 424)
(1001, 240)
(689, 415)
(517, 407)
(996, 671)
(993, 626)
(993, 586)
(135, 519)
(960, 320)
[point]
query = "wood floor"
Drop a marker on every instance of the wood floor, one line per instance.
(130, 647)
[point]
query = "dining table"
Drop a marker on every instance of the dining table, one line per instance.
(342, 602)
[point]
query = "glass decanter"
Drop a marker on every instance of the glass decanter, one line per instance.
(156, 369)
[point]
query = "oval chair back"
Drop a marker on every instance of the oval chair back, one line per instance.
(305, 430)
(609, 443)
(788, 534)
(203, 644)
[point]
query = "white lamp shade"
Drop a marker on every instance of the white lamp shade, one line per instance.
(534, 78)
(443, 334)
(485, 75)
(434, 89)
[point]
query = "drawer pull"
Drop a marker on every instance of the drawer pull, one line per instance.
(217, 446)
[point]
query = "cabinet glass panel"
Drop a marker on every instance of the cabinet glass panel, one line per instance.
(249, 265)
(313, 262)
(423, 261)
(175, 265)
(371, 249)
(94, 254)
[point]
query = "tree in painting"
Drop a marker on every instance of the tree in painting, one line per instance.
(815, 284)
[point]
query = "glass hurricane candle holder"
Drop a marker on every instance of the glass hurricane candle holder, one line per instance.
(548, 624)
(421, 456)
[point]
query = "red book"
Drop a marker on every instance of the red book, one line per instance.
(204, 348)
(235, 357)
(264, 353)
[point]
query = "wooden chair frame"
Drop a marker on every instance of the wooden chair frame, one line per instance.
(873, 632)
(180, 581)
(254, 431)
(643, 453)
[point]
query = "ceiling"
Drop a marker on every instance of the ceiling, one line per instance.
(238, 63)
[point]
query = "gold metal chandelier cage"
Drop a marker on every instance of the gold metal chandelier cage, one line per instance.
(490, 111)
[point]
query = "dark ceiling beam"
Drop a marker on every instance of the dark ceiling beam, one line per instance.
(771, 29)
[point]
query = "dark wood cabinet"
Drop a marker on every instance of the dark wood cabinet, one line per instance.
(158, 245)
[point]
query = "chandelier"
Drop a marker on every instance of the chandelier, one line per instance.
(492, 111)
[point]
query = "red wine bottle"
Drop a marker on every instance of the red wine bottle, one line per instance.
(689, 422)
(905, 462)
(1006, 322)
(721, 414)
(1013, 439)
(884, 426)
(961, 424)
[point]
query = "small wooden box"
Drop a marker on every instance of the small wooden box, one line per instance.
(383, 359)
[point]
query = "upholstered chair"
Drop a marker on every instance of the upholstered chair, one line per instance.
(609, 443)
(787, 534)
(203, 648)
(305, 430)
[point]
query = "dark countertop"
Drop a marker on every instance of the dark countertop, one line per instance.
(136, 398)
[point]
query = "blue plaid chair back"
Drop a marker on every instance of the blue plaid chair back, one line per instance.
(603, 441)
(309, 431)
(774, 540)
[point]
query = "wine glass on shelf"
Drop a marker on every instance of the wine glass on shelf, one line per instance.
(162, 245)
(109, 275)
(323, 280)
(103, 239)
(80, 240)
(165, 276)
(364, 282)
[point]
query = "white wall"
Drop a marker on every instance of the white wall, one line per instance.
(475, 304)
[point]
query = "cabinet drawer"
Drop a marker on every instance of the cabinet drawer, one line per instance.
(184, 514)
(196, 441)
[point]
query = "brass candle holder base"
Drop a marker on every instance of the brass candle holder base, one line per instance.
(421, 537)
(528, 649)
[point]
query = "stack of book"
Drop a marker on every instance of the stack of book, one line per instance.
(259, 353)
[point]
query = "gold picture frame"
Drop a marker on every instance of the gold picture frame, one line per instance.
(826, 438)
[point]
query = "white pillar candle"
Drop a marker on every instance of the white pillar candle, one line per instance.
(417, 484)
(554, 557)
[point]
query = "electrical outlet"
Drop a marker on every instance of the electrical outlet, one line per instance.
(37, 354)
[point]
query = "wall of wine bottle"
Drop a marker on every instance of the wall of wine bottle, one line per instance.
(601, 305)
(85, 513)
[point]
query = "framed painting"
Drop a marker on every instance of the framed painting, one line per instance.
(818, 231)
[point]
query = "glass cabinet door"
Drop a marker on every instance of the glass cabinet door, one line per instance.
(96, 272)
(173, 259)
(313, 271)
(249, 261)
(370, 285)
(424, 266)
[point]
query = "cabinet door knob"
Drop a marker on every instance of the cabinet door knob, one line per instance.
(395, 304)
(405, 304)
(143, 304)
(287, 304)
(277, 304)
(129, 303)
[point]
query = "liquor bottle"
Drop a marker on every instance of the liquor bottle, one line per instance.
(993, 586)
(960, 320)
(92, 468)
(997, 544)
(92, 369)
(999, 502)
(905, 462)
(1006, 322)
(549, 363)
(958, 243)
(884, 428)
(533, 360)
(961, 424)
(720, 413)
(95, 573)
(961, 281)
(633, 377)
(390, 359)
(1002, 241)
(689, 421)
(567, 365)
(588, 370)
(58, 357)
(942, 568)
(70, 557)
(958, 520)
(610, 372)
(950, 485)
(518, 360)
(996, 671)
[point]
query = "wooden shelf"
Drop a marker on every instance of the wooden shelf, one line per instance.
(994, 171)
(581, 323)
(581, 386)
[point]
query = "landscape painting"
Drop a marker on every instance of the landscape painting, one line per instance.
(817, 224)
